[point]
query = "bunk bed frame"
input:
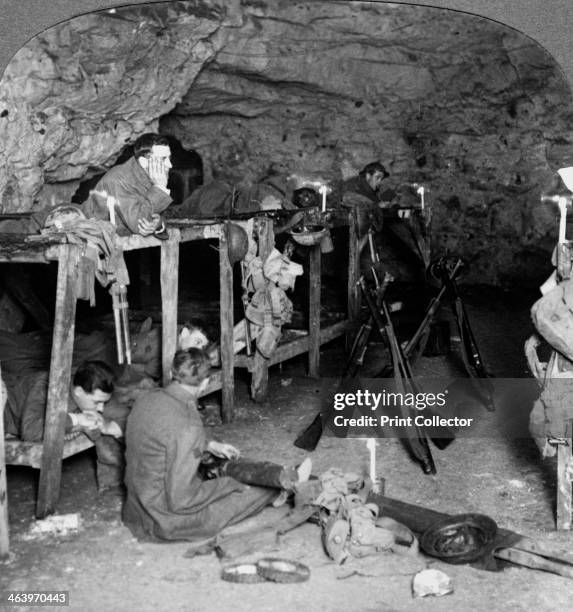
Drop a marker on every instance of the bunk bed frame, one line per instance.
(47, 456)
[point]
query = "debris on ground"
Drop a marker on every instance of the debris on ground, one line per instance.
(432, 582)
(57, 524)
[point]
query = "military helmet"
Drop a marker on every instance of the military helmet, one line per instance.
(62, 216)
(237, 242)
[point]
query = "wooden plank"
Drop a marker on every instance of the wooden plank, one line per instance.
(201, 232)
(564, 505)
(58, 382)
(314, 286)
(533, 561)
(551, 550)
(169, 278)
(30, 248)
(135, 241)
(25, 258)
(30, 454)
(226, 321)
(4, 528)
(291, 349)
(181, 230)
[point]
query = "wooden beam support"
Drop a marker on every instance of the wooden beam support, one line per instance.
(314, 287)
(4, 528)
(227, 324)
(58, 382)
(169, 278)
(564, 507)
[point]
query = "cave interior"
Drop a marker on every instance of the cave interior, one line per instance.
(471, 110)
(249, 90)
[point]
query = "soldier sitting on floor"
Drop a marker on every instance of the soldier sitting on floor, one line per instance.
(167, 499)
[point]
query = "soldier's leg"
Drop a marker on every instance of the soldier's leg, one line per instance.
(110, 465)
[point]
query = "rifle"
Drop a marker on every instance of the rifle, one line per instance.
(360, 344)
(417, 440)
(309, 438)
(417, 343)
(471, 356)
(402, 372)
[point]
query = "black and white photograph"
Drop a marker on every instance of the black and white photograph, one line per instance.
(284, 320)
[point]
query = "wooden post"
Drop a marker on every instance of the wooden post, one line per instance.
(58, 382)
(169, 275)
(4, 537)
(353, 275)
(564, 505)
(314, 285)
(226, 319)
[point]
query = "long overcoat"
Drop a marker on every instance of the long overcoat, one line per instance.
(166, 499)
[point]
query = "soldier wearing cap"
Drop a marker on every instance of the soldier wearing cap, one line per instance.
(367, 183)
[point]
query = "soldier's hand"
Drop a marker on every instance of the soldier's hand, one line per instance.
(111, 428)
(88, 421)
(146, 227)
(158, 172)
(225, 451)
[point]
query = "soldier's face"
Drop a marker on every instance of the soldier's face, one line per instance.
(157, 162)
(91, 402)
(375, 180)
(161, 154)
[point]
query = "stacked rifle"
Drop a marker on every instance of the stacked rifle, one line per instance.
(400, 368)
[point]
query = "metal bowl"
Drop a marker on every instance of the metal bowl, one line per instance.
(308, 235)
(462, 538)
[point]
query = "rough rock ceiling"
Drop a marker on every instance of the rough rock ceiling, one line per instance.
(466, 106)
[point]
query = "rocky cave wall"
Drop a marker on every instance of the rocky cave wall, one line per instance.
(476, 112)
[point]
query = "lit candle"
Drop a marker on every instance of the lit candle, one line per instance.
(562, 219)
(421, 194)
(111, 208)
(371, 444)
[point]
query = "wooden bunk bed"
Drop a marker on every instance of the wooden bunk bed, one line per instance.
(47, 455)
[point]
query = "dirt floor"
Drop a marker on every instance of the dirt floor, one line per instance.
(104, 568)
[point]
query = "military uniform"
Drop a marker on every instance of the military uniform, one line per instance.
(24, 417)
(137, 197)
(166, 498)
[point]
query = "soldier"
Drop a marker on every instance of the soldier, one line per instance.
(165, 442)
(90, 410)
(138, 188)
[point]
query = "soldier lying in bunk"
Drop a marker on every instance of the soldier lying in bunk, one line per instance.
(133, 194)
(221, 199)
(91, 410)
